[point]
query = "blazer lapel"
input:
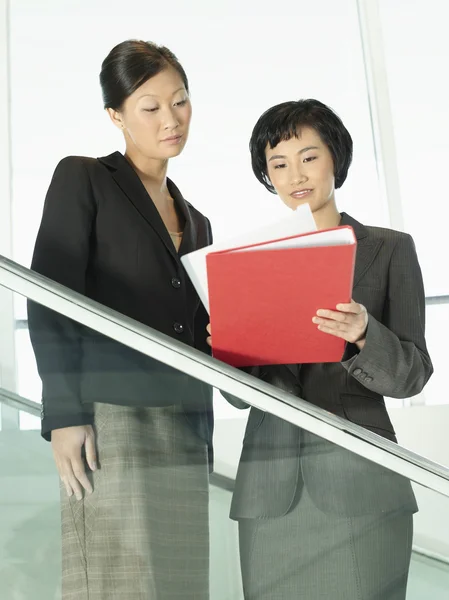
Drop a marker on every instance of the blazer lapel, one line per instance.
(189, 241)
(366, 249)
(294, 370)
(131, 185)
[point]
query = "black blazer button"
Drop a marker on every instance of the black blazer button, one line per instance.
(178, 327)
(357, 372)
(176, 283)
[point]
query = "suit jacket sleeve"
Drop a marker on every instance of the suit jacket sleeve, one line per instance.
(394, 361)
(61, 254)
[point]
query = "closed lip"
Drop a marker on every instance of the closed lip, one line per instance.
(172, 138)
(300, 193)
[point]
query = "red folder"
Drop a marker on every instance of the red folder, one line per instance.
(263, 298)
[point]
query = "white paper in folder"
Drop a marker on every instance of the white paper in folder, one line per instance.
(300, 221)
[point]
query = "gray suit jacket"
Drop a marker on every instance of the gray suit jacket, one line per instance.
(278, 457)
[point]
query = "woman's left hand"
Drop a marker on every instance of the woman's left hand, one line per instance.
(349, 321)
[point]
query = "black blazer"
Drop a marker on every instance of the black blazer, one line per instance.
(102, 236)
(279, 458)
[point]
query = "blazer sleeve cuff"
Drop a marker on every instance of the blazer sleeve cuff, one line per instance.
(388, 366)
(357, 362)
(49, 423)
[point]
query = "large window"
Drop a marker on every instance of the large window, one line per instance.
(416, 48)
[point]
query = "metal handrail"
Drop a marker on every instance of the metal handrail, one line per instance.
(215, 373)
(432, 300)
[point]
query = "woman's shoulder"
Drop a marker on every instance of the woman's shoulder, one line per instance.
(390, 237)
(75, 164)
(374, 234)
(83, 170)
(393, 243)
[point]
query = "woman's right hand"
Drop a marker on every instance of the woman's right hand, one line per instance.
(209, 339)
(67, 444)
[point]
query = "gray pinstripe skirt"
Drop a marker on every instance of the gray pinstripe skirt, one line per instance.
(144, 532)
(311, 555)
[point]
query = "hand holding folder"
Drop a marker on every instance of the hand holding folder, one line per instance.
(263, 297)
(262, 290)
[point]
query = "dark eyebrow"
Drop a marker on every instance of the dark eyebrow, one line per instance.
(306, 149)
(156, 96)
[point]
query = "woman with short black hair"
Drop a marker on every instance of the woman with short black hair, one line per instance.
(315, 520)
(114, 229)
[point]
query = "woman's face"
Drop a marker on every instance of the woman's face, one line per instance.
(301, 170)
(155, 119)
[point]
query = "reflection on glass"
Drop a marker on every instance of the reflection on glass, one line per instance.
(302, 514)
(315, 519)
(141, 442)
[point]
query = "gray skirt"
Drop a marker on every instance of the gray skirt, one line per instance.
(144, 532)
(311, 555)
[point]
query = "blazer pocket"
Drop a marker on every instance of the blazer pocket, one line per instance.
(366, 411)
(255, 420)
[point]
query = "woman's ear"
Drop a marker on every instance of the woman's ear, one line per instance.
(116, 117)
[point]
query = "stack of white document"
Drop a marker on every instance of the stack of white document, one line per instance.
(299, 222)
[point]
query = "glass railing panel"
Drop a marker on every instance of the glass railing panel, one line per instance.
(29, 384)
(27, 569)
(30, 523)
(147, 520)
(288, 484)
(18, 371)
(315, 521)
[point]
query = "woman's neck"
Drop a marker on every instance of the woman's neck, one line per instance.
(153, 175)
(328, 216)
(152, 172)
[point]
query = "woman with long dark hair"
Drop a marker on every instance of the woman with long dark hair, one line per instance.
(131, 437)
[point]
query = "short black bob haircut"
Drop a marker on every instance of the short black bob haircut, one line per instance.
(284, 121)
(129, 65)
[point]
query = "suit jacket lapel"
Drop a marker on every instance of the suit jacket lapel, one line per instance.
(366, 249)
(131, 185)
(294, 370)
(189, 241)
